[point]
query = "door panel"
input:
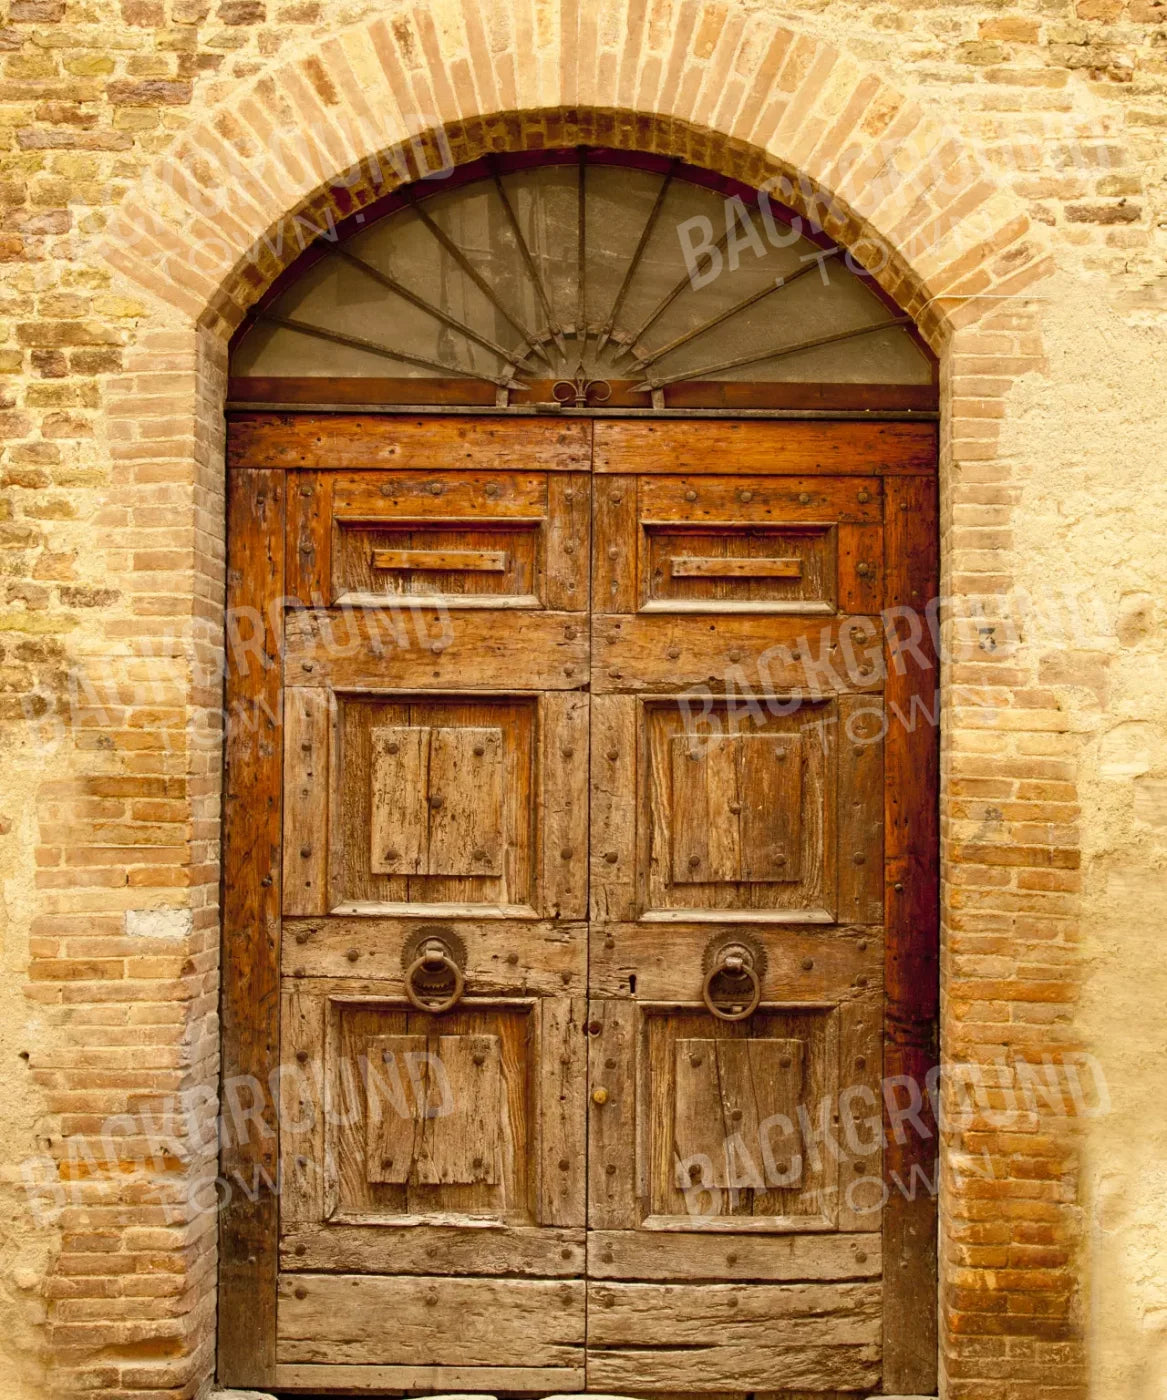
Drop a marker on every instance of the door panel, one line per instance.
(737, 814)
(605, 763)
(435, 840)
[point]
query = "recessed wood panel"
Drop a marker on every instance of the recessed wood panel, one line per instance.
(438, 1118)
(436, 800)
(725, 1090)
(433, 802)
(737, 568)
(439, 1122)
(736, 805)
(728, 1119)
(736, 822)
(461, 565)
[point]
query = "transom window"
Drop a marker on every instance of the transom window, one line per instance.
(585, 279)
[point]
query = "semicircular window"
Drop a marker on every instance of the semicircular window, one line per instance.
(585, 279)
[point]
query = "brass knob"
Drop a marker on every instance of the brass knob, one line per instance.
(600, 1096)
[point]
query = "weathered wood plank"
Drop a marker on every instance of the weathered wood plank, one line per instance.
(615, 586)
(382, 1320)
(395, 1380)
(759, 500)
(562, 1120)
(694, 566)
(401, 646)
(813, 448)
(564, 804)
(301, 1106)
(911, 844)
(251, 913)
(568, 553)
(548, 957)
(647, 1255)
(308, 717)
(309, 538)
(860, 808)
(444, 500)
(613, 807)
(427, 1249)
(712, 653)
(612, 1114)
(349, 440)
(692, 1336)
(665, 959)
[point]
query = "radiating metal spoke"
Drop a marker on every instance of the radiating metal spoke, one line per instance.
(662, 306)
(706, 370)
(402, 356)
(768, 291)
(528, 261)
(447, 243)
(646, 233)
(508, 357)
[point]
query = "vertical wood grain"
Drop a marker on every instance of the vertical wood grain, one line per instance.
(912, 912)
(250, 902)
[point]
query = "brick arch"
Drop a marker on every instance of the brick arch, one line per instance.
(322, 134)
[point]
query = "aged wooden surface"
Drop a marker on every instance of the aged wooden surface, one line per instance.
(396, 1380)
(462, 1249)
(809, 449)
(401, 646)
(363, 1319)
(692, 1336)
(911, 841)
(347, 440)
(772, 655)
(641, 1255)
(364, 953)
(803, 964)
(251, 914)
(712, 752)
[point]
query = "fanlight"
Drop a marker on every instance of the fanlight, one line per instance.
(587, 278)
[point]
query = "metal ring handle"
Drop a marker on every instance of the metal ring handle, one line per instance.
(744, 968)
(430, 960)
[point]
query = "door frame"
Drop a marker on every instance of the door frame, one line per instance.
(906, 455)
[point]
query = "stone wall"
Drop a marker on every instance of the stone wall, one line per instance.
(1008, 162)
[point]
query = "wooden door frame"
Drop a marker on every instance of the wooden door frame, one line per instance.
(261, 447)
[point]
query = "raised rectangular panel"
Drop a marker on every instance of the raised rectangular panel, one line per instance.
(433, 803)
(736, 808)
(725, 1091)
(436, 803)
(438, 1123)
(731, 1126)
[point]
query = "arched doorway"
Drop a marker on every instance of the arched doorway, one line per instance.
(580, 831)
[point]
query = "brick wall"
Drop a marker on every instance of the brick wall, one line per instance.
(1023, 222)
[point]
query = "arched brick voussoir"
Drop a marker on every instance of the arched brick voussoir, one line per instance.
(319, 135)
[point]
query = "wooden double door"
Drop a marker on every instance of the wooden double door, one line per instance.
(579, 906)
